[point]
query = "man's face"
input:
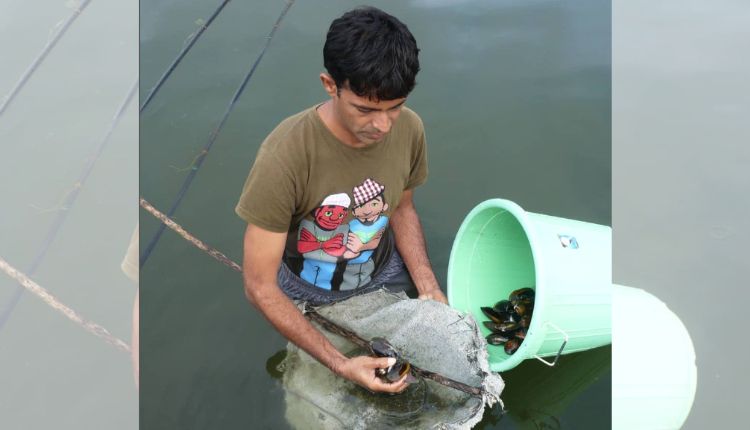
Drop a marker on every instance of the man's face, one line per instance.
(367, 120)
(371, 210)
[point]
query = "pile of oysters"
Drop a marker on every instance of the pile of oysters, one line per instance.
(510, 319)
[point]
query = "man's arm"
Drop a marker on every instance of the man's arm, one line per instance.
(263, 251)
(411, 245)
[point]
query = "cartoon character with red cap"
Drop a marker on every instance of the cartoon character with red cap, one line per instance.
(322, 241)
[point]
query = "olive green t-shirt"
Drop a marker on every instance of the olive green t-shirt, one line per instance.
(333, 200)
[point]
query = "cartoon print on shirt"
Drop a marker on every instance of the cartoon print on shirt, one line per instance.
(365, 232)
(321, 240)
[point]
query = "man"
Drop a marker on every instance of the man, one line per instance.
(298, 242)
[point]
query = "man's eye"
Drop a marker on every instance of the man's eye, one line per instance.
(374, 204)
(329, 213)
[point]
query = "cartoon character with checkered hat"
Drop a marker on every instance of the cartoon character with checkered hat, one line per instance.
(321, 240)
(365, 231)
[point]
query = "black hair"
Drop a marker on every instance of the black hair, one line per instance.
(372, 53)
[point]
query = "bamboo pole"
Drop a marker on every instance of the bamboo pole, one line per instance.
(189, 237)
(72, 315)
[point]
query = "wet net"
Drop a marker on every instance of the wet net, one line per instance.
(428, 334)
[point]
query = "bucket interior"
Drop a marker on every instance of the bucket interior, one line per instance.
(490, 258)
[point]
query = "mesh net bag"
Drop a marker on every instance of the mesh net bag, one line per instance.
(428, 334)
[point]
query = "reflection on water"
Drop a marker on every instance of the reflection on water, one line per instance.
(537, 396)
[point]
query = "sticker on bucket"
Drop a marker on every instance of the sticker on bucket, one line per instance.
(568, 241)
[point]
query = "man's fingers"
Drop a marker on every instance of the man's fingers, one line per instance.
(380, 363)
(390, 387)
(366, 374)
(401, 384)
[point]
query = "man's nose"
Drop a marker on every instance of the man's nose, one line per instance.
(382, 122)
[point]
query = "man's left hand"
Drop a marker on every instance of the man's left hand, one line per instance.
(434, 294)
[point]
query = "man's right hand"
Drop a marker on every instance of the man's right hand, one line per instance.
(361, 370)
(263, 252)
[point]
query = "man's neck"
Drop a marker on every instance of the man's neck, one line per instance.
(326, 114)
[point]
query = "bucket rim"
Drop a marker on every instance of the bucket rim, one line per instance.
(531, 344)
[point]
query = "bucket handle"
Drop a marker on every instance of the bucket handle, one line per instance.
(565, 342)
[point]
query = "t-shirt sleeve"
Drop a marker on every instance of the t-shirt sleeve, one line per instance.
(418, 172)
(268, 197)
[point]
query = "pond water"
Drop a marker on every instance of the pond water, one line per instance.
(515, 97)
(53, 373)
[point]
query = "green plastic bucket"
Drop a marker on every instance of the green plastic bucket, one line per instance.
(500, 248)
(653, 375)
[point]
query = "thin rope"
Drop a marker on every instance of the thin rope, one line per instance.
(192, 39)
(202, 156)
(67, 204)
(89, 326)
(46, 50)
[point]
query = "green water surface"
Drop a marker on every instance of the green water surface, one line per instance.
(515, 98)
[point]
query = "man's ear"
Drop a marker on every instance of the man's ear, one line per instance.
(385, 206)
(329, 85)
